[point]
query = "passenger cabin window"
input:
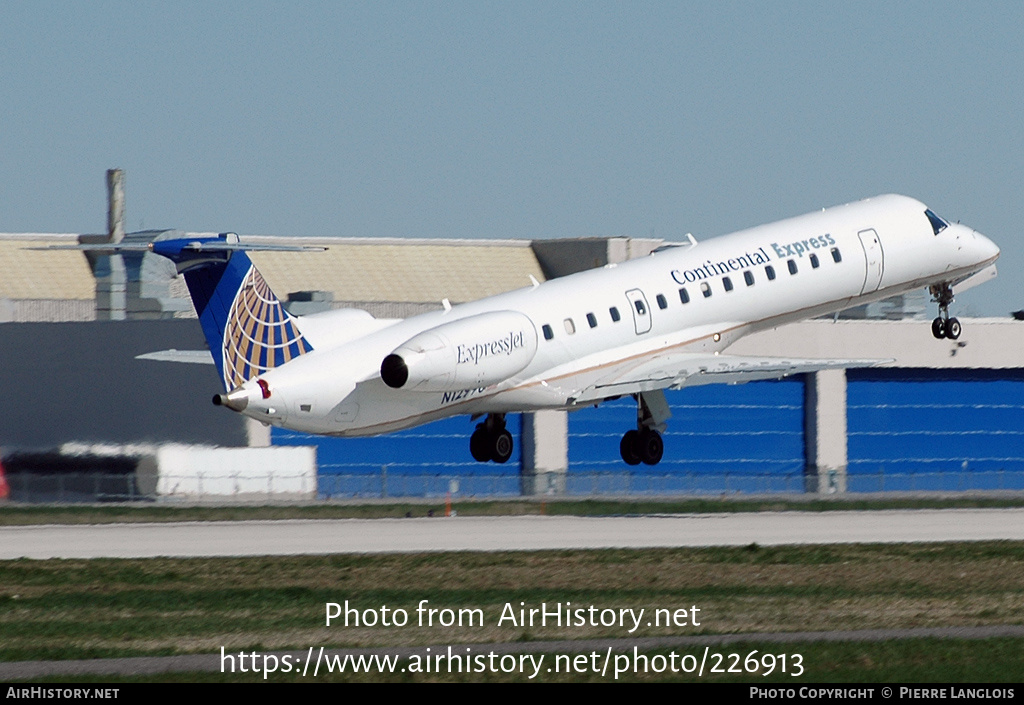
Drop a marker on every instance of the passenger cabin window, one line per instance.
(792, 266)
(769, 272)
(592, 320)
(684, 296)
(814, 261)
(662, 301)
(570, 327)
(548, 333)
(614, 312)
(836, 256)
(938, 224)
(640, 308)
(748, 277)
(727, 283)
(705, 289)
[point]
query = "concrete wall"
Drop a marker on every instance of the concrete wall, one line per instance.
(825, 431)
(83, 472)
(81, 382)
(193, 472)
(545, 440)
(986, 343)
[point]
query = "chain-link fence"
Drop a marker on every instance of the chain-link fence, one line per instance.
(254, 487)
(952, 481)
(76, 487)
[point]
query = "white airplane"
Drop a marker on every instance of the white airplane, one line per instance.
(660, 322)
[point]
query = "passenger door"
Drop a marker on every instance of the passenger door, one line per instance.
(641, 311)
(873, 260)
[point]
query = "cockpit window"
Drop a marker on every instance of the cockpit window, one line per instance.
(938, 224)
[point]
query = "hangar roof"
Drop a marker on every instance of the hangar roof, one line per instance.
(34, 274)
(399, 270)
(354, 269)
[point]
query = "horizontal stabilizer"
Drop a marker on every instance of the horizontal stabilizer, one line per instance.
(196, 357)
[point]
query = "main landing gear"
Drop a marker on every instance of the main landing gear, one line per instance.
(491, 440)
(644, 444)
(944, 326)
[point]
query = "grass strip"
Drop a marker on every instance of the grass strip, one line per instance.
(23, 514)
(903, 661)
(74, 609)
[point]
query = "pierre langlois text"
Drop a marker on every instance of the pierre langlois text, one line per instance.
(553, 614)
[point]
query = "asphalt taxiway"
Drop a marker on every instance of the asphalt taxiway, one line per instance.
(522, 533)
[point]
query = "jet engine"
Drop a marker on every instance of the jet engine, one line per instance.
(468, 353)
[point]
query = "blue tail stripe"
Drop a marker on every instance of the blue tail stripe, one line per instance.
(246, 327)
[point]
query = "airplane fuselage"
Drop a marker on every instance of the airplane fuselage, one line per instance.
(579, 339)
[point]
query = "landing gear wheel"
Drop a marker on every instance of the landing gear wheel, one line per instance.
(491, 440)
(944, 326)
(651, 447)
(501, 450)
(629, 447)
(480, 445)
(952, 329)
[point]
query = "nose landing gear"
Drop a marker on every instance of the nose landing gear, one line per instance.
(491, 440)
(944, 326)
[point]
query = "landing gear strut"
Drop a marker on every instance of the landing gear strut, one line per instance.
(944, 326)
(491, 440)
(644, 444)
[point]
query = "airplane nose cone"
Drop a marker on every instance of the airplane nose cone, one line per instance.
(987, 248)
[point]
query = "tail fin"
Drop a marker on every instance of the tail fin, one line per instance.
(246, 327)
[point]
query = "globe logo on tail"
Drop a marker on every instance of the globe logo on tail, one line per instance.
(259, 334)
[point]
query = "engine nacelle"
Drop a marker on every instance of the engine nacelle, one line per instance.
(465, 354)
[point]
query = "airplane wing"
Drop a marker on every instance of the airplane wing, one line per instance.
(973, 280)
(694, 369)
(198, 357)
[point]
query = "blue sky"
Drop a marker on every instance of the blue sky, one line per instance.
(512, 120)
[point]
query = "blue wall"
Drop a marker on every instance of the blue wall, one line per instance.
(908, 430)
(932, 430)
(721, 438)
(416, 461)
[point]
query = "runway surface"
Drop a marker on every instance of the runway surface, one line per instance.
(294, 537)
